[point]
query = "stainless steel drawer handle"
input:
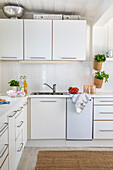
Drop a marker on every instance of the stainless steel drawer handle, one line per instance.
(8, 57)
(20, 109)
(4, 150)
(106, 100)
(20, 148)
(21, 123)
(106, 130)
(25, 104)
(106, 112)
(5, 126)
(38, 57)
(47, 101)
(14, 113)
(74, 58)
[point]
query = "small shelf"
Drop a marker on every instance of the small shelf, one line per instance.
(109, 59)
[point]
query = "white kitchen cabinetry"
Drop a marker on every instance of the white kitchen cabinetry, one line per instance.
(11, 39)
(69, 40)
(48, 118)
(37, 39)
(103, 118)
(17, 135)
(4, 144)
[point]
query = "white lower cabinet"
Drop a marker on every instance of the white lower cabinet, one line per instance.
(103, 130)
(48, 118)
(103, 118)
(17, 135)
(4, 147)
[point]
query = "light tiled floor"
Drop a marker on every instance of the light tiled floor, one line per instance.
(29, 156)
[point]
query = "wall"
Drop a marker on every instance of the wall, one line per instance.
(102, 42)
(64, 75)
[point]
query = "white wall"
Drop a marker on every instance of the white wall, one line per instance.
(102, 42)
(64, 75)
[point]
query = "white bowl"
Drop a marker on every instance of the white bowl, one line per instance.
(13, 11)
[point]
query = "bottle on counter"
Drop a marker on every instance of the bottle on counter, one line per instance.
(25, 85)
(21, 83)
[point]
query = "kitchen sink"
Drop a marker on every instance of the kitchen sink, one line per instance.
(45, 93)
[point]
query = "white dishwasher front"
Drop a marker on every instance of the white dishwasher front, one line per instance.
(79, 125)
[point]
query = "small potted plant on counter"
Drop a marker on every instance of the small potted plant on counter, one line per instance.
(99, 77)
(14, 85)
(98, 61)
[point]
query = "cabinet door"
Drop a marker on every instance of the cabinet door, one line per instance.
(38, 39)
(25, 123)
(11, 39)
(48, 118)
(69, 40)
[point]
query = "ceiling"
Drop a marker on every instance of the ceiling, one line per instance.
(86, 8)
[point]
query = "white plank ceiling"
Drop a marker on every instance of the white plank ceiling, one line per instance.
(87, 8)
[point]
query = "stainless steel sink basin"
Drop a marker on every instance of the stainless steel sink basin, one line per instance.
(45, 93)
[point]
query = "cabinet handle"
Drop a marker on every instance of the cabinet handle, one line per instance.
(14, 113)
(25, 104)
(106, 112)
(106, 100)
(9, 57)
(106, 130)
(37, 57)
(20, 124)
(48, 101)
(5, 125)
(21, 146)
(69, 58)
(4, 150)
(20, 109)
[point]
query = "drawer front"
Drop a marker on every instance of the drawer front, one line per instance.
(19, 147)
(103, 112)
(19, 121)
(103, 101)
(103, 129)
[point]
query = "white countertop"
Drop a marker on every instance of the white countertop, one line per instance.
(8, 108)
(98, 94)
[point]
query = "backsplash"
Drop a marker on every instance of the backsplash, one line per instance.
(64, 75)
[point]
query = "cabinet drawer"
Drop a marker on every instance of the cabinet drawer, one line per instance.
(103, 101)
(103, 112)
(19, 147)
(103, 129)
(19, 121)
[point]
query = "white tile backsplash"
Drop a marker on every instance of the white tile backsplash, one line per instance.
(64, 75)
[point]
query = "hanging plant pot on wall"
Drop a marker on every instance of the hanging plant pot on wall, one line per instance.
(98, 61)
(98, 83)
(98, 65)
(99, 77)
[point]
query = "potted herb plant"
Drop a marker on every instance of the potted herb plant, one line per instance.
(99, 77)
(14, 85)
(98, 61)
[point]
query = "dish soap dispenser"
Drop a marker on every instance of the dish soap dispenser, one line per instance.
(25, 85)
(21, 84)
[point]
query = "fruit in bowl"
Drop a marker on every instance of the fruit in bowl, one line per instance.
(73, 90)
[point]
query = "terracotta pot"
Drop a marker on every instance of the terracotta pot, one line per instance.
(15, 88)
(98, 83)
(98, 65)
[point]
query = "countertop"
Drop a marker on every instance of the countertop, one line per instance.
(97, 95)
(14, 102)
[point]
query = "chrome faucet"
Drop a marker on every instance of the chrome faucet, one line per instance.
(53, 88)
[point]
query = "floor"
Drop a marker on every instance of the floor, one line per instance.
(29, 156)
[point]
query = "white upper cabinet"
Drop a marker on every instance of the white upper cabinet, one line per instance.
(37, 39)
(11, 39)
(69, 40)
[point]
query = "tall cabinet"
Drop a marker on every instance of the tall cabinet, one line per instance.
(11, 39)
(69, 40)
(37, 39)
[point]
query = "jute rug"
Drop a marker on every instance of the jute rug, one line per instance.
(75, 160)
